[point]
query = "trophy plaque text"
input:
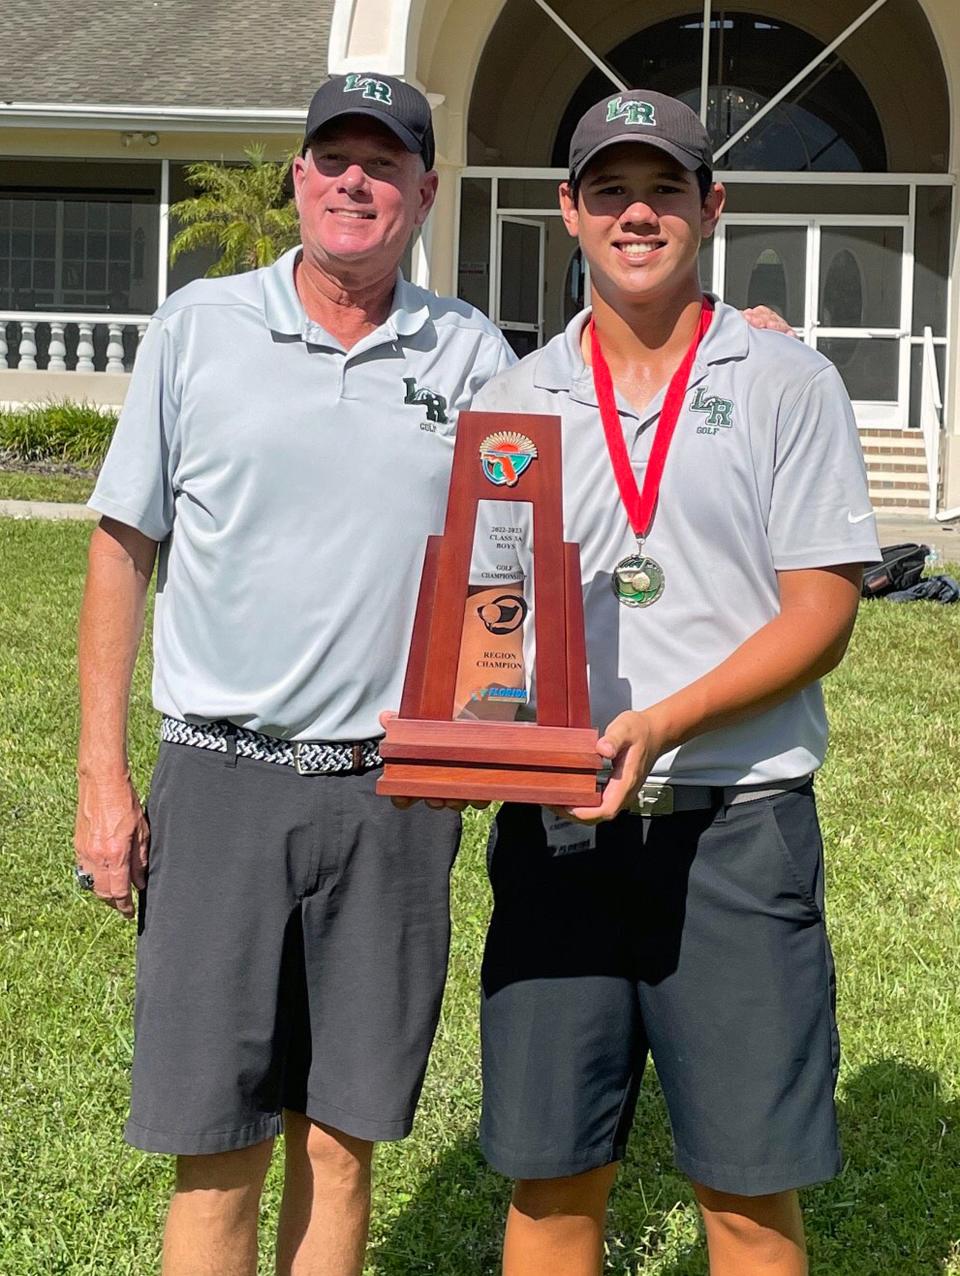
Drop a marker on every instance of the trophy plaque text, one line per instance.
(427, 751)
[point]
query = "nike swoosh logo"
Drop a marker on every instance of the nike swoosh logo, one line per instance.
(860, 517)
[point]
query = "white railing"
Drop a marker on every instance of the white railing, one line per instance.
(69, 342)
(931, 418)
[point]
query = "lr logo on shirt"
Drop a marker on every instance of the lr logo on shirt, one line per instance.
(435, 404)
(719, 412)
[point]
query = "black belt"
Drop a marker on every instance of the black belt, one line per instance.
(654, 798)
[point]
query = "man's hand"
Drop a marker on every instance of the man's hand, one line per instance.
(633, 746)
(436, 804)
(764, 317)
(111, 836)
(112, 840)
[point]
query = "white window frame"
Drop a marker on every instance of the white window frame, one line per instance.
(536, 221)
(870, 413)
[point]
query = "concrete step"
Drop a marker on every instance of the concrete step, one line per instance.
(894, 503)
(901, 482)
(875, 432)
(896, 466)
(896, 471)
(880, 474)
(892, 445)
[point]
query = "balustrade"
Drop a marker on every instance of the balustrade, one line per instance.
(70, 343)
(28, 347)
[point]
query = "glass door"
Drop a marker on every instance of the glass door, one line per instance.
(860, 325)
(520, 281)
(765, 264)
(840, 284)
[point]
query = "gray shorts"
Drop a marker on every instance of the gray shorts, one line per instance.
(698, 938)
(292, 952)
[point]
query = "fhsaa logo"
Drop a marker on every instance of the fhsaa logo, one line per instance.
(435, 404)
(632, 112)
(375, 90)
(719, 412)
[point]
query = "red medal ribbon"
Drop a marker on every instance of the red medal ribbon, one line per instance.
(641, 505)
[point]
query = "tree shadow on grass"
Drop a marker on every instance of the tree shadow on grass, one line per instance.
(454, 1223)
(896, 1206)
(894, 1209)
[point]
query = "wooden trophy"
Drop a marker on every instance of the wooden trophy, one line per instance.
(429, 754)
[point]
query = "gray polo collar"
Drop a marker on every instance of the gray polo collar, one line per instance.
(560, 365)
(284, 312)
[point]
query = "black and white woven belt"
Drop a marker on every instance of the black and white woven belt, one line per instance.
(307, 757)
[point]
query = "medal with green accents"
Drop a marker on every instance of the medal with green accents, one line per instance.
(638, 579)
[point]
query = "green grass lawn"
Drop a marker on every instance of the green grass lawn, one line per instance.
(74, 1199)
(20, 485)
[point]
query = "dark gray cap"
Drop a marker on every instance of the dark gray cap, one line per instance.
(641, 116)
(404, 109)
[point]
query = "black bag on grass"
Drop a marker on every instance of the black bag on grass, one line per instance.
(901, 568)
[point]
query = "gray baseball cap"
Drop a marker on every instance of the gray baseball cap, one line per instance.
(641, 116)
(401, 107)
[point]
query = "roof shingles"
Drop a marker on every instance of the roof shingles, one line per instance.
(205, 53)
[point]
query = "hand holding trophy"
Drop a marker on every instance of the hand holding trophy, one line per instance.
(428, 751)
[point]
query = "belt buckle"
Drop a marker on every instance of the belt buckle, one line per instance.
(301, 767)
(655, 799)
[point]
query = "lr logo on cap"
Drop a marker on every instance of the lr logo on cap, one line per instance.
(631, 112)
(505, 456)
(719, 411)
(375, 90)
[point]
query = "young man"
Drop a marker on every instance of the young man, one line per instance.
(721, 570)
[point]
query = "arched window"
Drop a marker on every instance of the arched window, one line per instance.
(842, 302)
(828, 125)
(768, 282)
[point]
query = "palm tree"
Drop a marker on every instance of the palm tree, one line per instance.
(243, 210)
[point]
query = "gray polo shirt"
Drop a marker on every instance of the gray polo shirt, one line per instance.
(764, 474)
(292, 485)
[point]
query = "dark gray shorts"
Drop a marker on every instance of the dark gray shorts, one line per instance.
(292, 953)
(698, 938)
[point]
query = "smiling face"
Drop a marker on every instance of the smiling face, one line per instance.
(360, 194)
(640, 219)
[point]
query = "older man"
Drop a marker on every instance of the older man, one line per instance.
(286, 442)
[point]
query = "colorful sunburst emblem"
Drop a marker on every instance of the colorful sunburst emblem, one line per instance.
(505, 456)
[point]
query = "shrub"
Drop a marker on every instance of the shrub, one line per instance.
(78, 433)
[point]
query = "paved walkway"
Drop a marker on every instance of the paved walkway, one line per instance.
(46, 509)
(893, 528)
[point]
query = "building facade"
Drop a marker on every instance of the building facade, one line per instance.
(835, 131)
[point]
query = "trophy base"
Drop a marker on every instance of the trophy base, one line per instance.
(487, 761)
